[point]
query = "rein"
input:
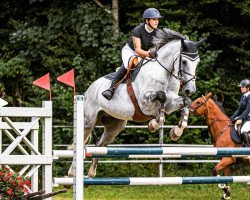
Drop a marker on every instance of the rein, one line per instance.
(213, 120)
(181, 72)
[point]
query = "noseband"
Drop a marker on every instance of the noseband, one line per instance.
(203, 103)
(213, 120)
(189, 56)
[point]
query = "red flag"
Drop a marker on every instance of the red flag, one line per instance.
(68, 78)
(43, 82)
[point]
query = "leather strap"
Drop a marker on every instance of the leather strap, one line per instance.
(138, 116)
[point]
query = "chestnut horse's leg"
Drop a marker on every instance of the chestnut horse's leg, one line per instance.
(224, 165)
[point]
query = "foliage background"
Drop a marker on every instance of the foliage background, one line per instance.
(41, 36)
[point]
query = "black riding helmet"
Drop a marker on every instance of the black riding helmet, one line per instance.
(245, 83)
(151, 13)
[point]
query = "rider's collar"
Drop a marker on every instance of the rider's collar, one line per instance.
(146, 28)
(246, 94)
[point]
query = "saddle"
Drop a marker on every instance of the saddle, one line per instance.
(237, 137)
(132, 72)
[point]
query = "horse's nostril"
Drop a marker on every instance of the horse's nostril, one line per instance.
(187, 92)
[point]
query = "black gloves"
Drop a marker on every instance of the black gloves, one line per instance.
(152, 54)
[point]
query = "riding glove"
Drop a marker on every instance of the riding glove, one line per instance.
(238, 121)
(152, 54)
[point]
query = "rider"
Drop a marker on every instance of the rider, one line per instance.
(138, 45)
(242, 114)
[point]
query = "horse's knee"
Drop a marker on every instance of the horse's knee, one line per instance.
(214, 172)
(161, 96)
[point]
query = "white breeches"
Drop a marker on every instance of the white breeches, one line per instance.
(127, 54)
(245, 127)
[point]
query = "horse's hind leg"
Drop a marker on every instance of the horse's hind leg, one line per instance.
(87, 133)
(89, 125)
(112, 127)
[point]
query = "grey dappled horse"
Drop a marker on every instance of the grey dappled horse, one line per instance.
(156, 87)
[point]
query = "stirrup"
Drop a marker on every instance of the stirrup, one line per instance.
(108, 94)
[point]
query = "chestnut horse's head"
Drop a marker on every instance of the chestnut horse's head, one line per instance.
(198, 106)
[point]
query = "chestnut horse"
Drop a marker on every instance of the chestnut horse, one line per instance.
(219, 126)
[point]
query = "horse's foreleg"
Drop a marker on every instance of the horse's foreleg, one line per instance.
(155, 124)
(224, 165)
(176, 132)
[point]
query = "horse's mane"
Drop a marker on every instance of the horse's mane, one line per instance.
(164, 36)
(219, 104)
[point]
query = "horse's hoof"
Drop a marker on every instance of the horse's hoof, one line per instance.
(91, 175)
(225, 197)
(222, 185)
(174, 134)
(70, 174)
(227, 191)
(153, 126)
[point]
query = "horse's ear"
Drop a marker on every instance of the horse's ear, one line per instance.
(183, 44)
(201, 42)
(219, 97)
(209, 95)
(186, 37)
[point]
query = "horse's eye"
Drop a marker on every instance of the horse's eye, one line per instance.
(184, 62)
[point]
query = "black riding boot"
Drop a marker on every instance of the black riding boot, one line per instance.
(108, 94)
(246, 138)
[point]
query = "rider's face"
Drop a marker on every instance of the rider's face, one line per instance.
(153, 22)
(244, 89)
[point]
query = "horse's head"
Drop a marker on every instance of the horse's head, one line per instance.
(199, 106)
(189, 59)
(186, 53)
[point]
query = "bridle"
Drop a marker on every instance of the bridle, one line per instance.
(203, 103)
(189, 56)
(179, 76)
(181, 72)
(213, 120)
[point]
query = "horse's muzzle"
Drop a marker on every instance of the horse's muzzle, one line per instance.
(189, 92)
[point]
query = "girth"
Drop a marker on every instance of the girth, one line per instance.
(138, 116)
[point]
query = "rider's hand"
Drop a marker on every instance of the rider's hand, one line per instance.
(152, 54)
(238, 121)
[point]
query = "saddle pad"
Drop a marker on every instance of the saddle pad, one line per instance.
(235, 136)
(133, 73)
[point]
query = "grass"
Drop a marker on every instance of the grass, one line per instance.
(169, 192)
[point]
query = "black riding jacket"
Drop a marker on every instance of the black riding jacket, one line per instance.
(146, 37)
(243, 110)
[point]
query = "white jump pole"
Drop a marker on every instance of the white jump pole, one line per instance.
(47, 148)
(78, 156)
